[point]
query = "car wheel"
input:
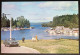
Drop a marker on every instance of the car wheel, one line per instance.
(17, 45)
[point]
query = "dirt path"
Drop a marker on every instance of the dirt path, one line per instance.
(20, 49)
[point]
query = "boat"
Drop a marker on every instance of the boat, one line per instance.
(31, 27)
(6, 30)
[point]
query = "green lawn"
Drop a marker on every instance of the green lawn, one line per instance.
(61, 46)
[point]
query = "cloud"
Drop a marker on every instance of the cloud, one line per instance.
(48, 19)
(27, 3)
(68, 5)
(8, 6)
(45, 4)
(33, 13)
(11, 7)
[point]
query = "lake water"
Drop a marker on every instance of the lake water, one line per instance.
(29, 33)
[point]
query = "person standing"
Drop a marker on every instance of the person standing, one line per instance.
(36, 38)
(23, 39)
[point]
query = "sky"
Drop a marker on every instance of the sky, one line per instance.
(39, 11)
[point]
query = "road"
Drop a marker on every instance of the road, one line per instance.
(20, 49)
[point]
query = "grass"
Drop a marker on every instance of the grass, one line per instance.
(60, 46)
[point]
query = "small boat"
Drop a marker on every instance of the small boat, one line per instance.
(14, 29)
(6, 30)
(31, 27)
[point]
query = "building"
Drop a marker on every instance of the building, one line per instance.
(59, 29)
(64, 31)
(75, 31)
(67, 31)
(52, 32)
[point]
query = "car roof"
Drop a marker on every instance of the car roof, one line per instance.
(10, 38)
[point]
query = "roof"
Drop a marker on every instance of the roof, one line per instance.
(75, 29)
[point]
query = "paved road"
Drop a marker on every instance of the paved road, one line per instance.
(20, 49)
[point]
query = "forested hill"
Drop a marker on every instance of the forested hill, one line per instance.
(18, 22)
(64, 20)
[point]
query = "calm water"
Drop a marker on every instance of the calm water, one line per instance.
(28, 34)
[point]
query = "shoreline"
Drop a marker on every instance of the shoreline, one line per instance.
(8, 28)
(61, 30)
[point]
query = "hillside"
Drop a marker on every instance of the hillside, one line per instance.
(64, 20)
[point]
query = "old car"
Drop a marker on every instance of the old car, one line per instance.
(11, 42)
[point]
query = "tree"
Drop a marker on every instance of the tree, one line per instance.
(64, 20)
(22, 22)
(28, 24)
(12, 22)
(3, 20)
(15, 23)
(8, 23)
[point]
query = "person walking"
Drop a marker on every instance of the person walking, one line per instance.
(23, 39)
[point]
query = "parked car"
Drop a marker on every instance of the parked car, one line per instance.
(12, 42)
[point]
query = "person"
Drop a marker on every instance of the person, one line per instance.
(23, 39)
(36, 38)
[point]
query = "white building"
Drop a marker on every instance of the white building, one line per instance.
(75, 31)
(64, 31)
(59, 29)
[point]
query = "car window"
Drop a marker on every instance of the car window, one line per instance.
(13, 39)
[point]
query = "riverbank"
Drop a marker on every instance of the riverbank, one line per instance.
(56, 46)
(61, 30)
(8, 28)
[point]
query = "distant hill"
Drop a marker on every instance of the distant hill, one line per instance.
(64, 20)
(38, 23)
